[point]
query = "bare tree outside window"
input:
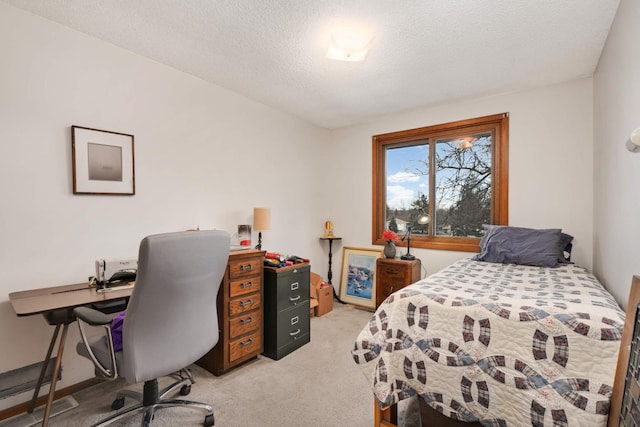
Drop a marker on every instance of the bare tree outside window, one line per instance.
(456, 173)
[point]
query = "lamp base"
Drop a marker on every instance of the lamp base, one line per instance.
(407, 257)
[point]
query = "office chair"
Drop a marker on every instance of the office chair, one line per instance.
(171, 320)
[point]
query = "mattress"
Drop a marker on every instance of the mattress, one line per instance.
(506, 345)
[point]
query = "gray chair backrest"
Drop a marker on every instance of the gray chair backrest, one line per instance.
(171, 318)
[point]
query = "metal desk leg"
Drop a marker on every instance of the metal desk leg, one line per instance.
(56, 371)
(45, 365)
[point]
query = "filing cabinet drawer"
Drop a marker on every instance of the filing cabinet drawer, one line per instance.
(292, 288)
(244, 304)
(245, 346)
(245, 323)
(243, 286)
(292, 324)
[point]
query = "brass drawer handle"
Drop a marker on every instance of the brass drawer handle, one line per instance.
(244, 267)
(294, 333)
(246, 285)
(247, 342)
(392, 271)
(244, 304)
(246, 321)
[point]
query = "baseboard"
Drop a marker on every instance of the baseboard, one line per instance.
(22, 407)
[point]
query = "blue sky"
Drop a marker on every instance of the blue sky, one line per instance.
(404, 186)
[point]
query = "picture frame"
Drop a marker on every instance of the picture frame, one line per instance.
(103, 162)
(358, 276)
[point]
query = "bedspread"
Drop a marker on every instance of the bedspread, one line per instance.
(506, 345)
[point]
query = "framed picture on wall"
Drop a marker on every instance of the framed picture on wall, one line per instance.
(358, 277)
(103, 162)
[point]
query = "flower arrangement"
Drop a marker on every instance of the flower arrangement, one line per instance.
(390, 236)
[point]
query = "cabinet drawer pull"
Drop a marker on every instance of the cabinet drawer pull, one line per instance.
(294, 333)
(247, 342)
(294, 299)
(246, 285)
(246, 303)
(246, 321)
(244, 267)
(392, 271)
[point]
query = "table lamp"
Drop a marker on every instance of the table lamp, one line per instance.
(261, 222)
(422, 220)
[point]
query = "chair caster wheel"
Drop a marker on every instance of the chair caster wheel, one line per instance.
(186, 389)
(209, 421)
(117, 403)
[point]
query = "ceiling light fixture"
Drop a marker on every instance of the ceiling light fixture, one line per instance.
(348, 46)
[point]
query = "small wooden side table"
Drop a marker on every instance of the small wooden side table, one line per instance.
(393, 274)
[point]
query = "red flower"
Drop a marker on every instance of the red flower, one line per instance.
(390, 236)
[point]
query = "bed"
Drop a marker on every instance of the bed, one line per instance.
(497, 343)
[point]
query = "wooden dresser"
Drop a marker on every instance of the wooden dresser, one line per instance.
(393, 274)
(240, 313)
(286, 309)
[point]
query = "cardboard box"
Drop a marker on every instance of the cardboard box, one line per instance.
(322, 292)
(313, 303)
(325, 299)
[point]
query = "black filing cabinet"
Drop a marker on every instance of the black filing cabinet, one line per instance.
(286, 309)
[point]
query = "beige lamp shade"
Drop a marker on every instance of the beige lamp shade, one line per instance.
(261, 219)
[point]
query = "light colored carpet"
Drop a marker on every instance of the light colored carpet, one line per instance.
(317, 385)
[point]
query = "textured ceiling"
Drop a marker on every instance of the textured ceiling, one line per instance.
(425, 51)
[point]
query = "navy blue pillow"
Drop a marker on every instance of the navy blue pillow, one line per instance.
(519, 245)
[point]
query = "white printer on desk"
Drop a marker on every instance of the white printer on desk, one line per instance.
(107, 268)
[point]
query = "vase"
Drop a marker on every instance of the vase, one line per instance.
(389, 250)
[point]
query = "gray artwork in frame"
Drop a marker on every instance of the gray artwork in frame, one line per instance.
(103, 162)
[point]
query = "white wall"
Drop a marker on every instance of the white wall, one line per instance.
(617, 171)
(550, 165)
(204, 156)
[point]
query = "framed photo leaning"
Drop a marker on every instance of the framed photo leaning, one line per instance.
(103, 162)
(357, 280)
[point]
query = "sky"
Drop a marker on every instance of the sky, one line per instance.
(403, 184)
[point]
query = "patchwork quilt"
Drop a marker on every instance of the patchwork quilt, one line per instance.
(506, 345)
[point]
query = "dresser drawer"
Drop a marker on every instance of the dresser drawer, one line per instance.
(394, 273)
(245, 285)
(243, 324)
(244, 267)
(245, 345)
(244, 304)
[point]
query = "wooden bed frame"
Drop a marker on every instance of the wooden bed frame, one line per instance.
(389, 416)
(623, 355)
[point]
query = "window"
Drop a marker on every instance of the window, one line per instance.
(442, 182)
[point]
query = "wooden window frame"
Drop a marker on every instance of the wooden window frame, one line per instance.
(498, 123)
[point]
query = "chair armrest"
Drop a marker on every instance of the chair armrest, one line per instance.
(91, 317)
(96, 318)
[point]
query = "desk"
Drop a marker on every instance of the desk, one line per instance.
(56, 304)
